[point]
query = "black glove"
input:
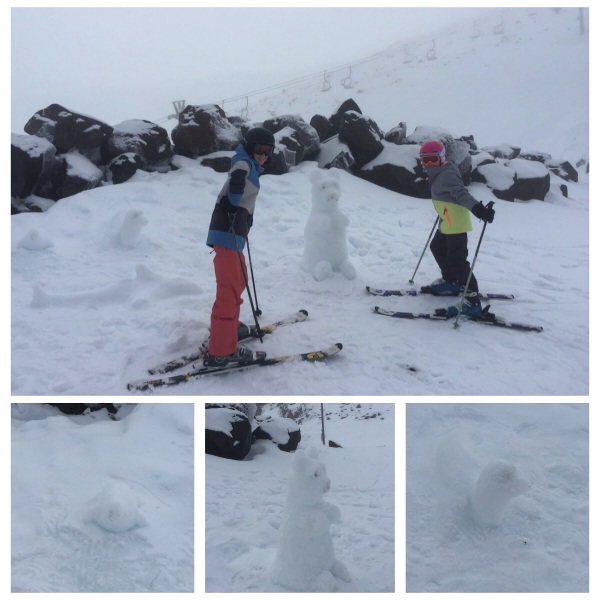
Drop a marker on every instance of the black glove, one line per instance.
(485, 213)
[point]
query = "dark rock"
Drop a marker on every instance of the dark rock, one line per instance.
(79, 409)
(305, 135)
(363, 137)
(336, 119)
(32, 160)
(335, 155)
(565, 170)
(70, 131)
(322, 126)
(284, 433)
(397, 134)
(532, 179)
(123, 167)
(145, 139)
(203, 130)
(228, 433)
(503, 151)
(219, 161)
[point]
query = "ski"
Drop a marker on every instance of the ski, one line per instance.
(197, 373)
(427, 290)
(247, 334)
(441, 314)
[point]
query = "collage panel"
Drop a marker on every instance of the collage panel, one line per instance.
(300, 497)
(497, 497)
(102, 498)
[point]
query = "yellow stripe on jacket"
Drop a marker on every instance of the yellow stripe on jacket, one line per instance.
(453, 217)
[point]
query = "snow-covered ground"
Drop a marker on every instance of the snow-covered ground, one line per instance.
(112, 281)
(101, 505)
(542, 542)
(245, 502)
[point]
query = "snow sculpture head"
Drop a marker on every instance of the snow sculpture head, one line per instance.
(115, 508)
(305, 559)
(326, 189)
(497, 484)
(308, 480)
(325, 249)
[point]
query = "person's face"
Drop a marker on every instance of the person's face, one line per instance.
(261, 159)
(262, 153)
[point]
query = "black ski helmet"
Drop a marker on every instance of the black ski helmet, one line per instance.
(257, 135)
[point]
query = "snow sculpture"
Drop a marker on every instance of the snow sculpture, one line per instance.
(496, 485)
(305, 560)
(325, 248)
(115, 508)
(126, 227)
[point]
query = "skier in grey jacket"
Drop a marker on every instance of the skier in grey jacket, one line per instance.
(453, 204)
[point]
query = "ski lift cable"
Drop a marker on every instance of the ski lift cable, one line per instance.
(403, 47)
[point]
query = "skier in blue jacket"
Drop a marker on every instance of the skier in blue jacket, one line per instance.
(230, 224)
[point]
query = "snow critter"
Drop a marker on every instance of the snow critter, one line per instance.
(305, 560)
(497, 484)
(115, 508)
(325, 248)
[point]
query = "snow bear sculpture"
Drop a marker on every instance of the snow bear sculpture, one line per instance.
(325, 248)
(115, 508)
(496, 485)
(305, 560)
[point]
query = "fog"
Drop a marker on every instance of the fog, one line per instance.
(123, 63)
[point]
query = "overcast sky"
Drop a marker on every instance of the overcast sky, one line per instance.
(123, 63)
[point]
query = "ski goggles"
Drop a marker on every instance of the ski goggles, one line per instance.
(431, 160)
(264, 149)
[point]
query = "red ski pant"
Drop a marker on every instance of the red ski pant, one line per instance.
(226, 309)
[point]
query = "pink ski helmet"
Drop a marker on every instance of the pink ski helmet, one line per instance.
(432, 153)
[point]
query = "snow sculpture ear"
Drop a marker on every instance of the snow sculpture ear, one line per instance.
(300, 461)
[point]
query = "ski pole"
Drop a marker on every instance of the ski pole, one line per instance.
(412, 279)
(462, 299)
(258, 311)
(254, 314)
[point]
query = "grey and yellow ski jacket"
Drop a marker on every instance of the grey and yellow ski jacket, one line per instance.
(451, 199)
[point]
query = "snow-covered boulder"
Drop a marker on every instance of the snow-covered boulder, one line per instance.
(32, 159)
(362, 135)
(228, 433)
(532, 179)
(204, 129)
(284, 433)
(305, 559)
(144, 139)
(302, 134)
(70, 131)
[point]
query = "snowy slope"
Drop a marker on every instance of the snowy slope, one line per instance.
(245, 502)
(101, 505)
(115, 280)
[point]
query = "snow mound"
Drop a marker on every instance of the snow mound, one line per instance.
(115, 508)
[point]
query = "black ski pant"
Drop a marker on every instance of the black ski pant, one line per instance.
(450, 252)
